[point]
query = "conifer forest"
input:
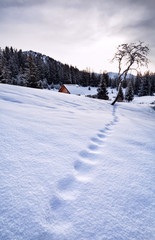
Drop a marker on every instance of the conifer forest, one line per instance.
(31, 69)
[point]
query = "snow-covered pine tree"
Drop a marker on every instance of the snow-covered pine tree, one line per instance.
(144, 87)
(12, 66)
(21, 77)
(31, 72)
(5, 75)
(102, 90)
(129, 93)
(3, 69)
(150, 83)
(137, 82)
(40, 66)
(106, 77)
(84, 78)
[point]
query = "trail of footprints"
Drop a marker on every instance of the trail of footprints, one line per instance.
(82, 167)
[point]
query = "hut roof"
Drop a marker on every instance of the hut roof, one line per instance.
(72, 89)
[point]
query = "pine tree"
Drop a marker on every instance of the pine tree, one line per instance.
(129, 93)
(5, 78)
(6, 53)
(137, 82)
(21, 59)
(106, 77)
(73, 77)
(145, 87)
(102, 90)
(31, 72)
(84, 78)
(13, 67)
(113, 82)
(4, 71)
(22, 77)
(149, 80)
(40, 84)
(67, 75)
(94, 79)
(40, 66)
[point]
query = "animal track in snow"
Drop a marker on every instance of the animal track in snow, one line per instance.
(101, 135)
(67, 187)
(56, 203)
(115, 119)
(93, 147)
(88, 155)
(100, 139)
(82, 166)
(66, 183)
(83, 170)
(97, 140)
(114, 110)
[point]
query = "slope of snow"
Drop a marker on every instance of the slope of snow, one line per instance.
(75, 168)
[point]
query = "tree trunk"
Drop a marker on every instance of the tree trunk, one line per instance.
(120, 83)
(119, 88)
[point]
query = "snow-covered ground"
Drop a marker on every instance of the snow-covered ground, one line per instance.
(75, 168)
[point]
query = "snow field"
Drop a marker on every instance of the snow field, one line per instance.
(75, 168)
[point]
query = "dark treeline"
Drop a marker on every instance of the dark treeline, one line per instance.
(35, 70)
(141, 85)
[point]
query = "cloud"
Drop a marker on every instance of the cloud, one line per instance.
(79, 25)
(19, 3)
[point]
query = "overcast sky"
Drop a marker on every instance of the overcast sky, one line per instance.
(84, 33)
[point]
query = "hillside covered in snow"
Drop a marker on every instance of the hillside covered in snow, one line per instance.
(75, 168)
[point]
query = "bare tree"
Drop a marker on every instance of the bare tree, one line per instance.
(129, 56)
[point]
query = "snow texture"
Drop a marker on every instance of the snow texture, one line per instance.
(75, 168)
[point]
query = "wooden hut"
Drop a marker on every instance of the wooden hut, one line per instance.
(71, 89)
(64, 89)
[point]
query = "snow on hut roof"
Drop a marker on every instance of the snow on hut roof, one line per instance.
(74, 89)
(79, 90)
